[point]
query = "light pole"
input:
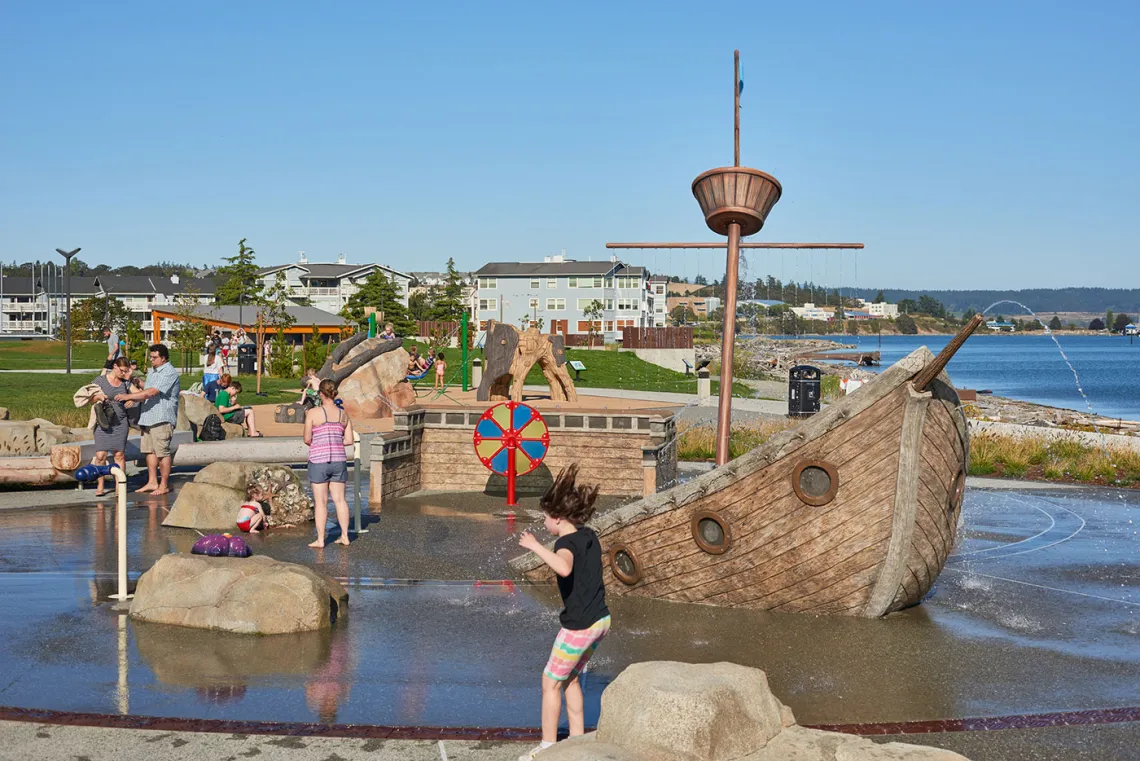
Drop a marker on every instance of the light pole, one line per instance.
(36, 302)
(67, 287)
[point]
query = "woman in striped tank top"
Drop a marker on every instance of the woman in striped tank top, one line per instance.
(328, 432)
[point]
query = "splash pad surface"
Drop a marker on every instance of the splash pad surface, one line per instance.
(1036, 613)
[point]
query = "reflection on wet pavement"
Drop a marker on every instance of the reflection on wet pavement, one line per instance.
(1036, 611)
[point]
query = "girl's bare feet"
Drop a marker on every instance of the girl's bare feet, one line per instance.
(145, 488)
(343, 540)
(318, 544)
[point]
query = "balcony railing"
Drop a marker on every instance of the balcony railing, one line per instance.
(315, 292)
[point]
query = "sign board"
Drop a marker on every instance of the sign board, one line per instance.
(576, 365)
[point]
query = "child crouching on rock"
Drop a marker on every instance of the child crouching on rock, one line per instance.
(577, 562)
(251, 517)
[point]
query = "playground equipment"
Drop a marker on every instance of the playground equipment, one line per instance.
(511, 353)
(92, 472)
(511, 439)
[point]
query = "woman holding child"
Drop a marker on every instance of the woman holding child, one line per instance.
(328, 432)
(112, 427)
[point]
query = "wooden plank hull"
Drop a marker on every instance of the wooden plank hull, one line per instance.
(853, 512)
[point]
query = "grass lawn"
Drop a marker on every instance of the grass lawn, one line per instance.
(48, 395)
(47, 355)
(606, 369)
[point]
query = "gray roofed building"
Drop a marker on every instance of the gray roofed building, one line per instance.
(543, 269)
(329, 285)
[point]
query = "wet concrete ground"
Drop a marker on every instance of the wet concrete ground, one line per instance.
(1036, 612)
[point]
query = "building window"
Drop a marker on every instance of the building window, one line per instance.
(629, 282)
(535, 284)
(609, 305)
(533, 304)
(584, 326)
(488, 305)
(609, 282)
(609, 326)
(551, 282)
(555, 305)
(584, 304)
(627, 305)
(586, 282)
(626, 324)
(488, 282)
(483, 324)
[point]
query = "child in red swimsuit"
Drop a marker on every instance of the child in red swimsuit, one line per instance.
(250, 515)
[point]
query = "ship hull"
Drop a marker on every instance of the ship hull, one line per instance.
(853, 512)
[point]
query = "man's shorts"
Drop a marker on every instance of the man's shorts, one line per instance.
(324, 472)
(573, 648)
(156, 439)
(238, 416)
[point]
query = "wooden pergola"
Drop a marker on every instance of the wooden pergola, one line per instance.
(157, 315)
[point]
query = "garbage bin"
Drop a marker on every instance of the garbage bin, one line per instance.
(247, 358)
(803, 391)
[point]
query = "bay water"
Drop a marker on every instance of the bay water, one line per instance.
(1029, 367)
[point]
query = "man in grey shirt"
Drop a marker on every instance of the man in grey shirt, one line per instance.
(113, 352)
(159, 414)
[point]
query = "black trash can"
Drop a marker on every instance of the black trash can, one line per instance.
(803, 391)
(247, 358)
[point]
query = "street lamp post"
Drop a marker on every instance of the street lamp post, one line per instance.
(67, 287)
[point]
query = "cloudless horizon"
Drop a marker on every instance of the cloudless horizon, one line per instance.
(968, 145)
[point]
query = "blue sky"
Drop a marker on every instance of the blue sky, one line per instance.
(967, 144)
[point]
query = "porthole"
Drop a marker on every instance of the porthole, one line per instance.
(711, 532)
(815, 482)
(624, 565)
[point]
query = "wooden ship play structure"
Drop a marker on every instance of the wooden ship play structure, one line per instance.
(852, 512)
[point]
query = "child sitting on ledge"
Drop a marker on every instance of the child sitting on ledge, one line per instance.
(250, 515)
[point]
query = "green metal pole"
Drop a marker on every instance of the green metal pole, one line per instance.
(463, 338)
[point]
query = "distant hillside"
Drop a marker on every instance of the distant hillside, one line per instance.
(1095, 300)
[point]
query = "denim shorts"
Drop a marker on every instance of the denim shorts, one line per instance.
(323, 472)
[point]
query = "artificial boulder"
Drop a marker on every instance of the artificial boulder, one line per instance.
(379, 386)
(713, 711)
(210, 502)
(666, 711)
(257, 595)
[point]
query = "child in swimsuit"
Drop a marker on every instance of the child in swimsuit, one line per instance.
(250, 515)
(440, 367)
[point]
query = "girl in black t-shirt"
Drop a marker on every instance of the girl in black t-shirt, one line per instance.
(577, 562)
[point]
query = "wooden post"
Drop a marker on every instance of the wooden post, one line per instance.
(260, 350)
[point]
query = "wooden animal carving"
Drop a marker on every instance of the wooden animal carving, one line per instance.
(511, 353)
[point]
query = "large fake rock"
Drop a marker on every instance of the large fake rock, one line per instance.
(665, 711)
(210, 502)
(379, 386)
(193, 411)
(257, 595)
(3, 413)
(714, 711)
(17, 437)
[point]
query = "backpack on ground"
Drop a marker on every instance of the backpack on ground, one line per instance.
(212, 429)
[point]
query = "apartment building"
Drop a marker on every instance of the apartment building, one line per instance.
(881, 310)
(560, 290)
(31, 306)
(329, 286)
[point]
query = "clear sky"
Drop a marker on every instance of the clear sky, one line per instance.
(968, 144)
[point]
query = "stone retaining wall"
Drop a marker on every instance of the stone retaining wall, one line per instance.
(629, 454)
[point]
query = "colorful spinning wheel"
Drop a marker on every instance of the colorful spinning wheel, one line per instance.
(511, 439)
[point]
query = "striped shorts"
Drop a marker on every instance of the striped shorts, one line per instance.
(573, 648)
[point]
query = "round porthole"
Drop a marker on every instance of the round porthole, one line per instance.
(711, 532)
(815, 482)
(624, 565)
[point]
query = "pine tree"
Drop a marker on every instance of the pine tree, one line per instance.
(379, 293)
(1055, 323)
(448, 303)
(238, 278)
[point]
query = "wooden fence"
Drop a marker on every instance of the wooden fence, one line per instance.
(425, 328)
(657, 338)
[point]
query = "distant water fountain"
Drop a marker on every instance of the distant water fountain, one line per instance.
(1064, 356)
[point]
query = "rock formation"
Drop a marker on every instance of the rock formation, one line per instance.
(666, 711)
(257, 595)
(211, 500)
(371, 376)
(511, 353)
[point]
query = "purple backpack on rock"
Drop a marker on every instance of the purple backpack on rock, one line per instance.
(220, 546)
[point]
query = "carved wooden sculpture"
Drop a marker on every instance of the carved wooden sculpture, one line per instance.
(510, 353)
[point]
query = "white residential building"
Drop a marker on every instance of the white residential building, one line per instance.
(329, 286)
(881, 310)
(30, 306)
(810, 311)
(560, 290)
